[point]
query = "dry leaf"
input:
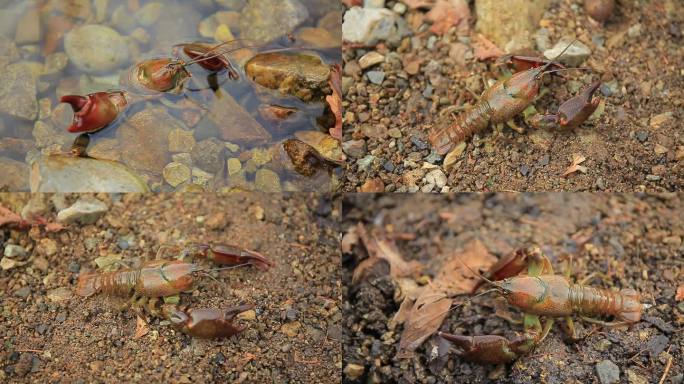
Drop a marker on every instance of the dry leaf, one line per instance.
(8, 217)
(485, 49)
(575, 166)
(335, 100)
(141, 328)
(447, 13)
(433, 303)
(680, 293)
(385, 249)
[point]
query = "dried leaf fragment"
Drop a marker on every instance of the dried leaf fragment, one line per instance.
(141, 328)
(575, 166)
(485, 49)
(680, 293)
(335, 100)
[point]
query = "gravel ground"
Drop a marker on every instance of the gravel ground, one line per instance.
(49, 335)
(635, 145)
(631, 241)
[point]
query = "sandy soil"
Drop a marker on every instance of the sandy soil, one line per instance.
(631, 241)
(628, 149)
(294, 337)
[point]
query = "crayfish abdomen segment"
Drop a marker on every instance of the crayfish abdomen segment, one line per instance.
(591, 301)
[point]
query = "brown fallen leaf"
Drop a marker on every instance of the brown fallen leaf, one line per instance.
(384, 249)
(680, 293)
(446, 14)
(485, 49)
(575, 166)
(141, 328)
(335, 100)
(433, 302)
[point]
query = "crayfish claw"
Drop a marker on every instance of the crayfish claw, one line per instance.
(206, 323)
(233, 255)
(489, 349)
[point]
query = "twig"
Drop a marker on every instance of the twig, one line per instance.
(667, 368)
(29, 350)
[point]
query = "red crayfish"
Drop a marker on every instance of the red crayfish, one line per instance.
(161, 278)
(152, 77)
(527, 281)
(505, 99)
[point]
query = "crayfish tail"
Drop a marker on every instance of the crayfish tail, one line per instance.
(87, 284)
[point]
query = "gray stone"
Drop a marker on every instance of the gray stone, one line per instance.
(87, 210)
(18, 91)
(144, 139)
(96, 48)
(376, 77)
(574, 56)
(15, 251)
(355, 148)
(266, 20)
(209, 155)
(608, 372)
(62, 174)
(436, 177)
(369, 26)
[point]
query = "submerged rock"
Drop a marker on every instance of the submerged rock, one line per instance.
(235, 124)
(266, 20)
(327, 146)
(96, 48)
(64, 174)
(87, 210)
(15, 175)
(144, 139)
(304, 75)
(18, 91)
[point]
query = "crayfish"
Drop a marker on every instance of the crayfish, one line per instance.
(527, 281)
(162, 278)
(149, 78)
(507, 98)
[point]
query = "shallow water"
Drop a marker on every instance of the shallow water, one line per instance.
(33, 125)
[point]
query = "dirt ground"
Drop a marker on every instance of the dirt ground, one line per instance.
(631, 241)
(294, 337)
(629, 148)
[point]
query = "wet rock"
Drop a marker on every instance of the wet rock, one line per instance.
(18, 91)
(28, 28)
(209, 155)
(181, 141)
(327, 146)
(15, 175)
(303, 75)
(86, 210)
(608, 372)
(96, 48)
(235, 124)
(8, 52)
(64, 174)
(176, 174)
(15, 251)
(318, 37)
(306, 159)
(369, 26)
(149, 14)
(105, 149)
(145, 139)
(267, 181)
(234, 166)
(511, 27)
(574, 56)
(266, 20)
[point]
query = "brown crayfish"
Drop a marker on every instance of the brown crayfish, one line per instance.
(527, 281)
(162, 278)
(509, 97)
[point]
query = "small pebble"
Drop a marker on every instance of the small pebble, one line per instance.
(74, 267)
(376, 77)
(608, 372)
(23, 292)
(642, 136)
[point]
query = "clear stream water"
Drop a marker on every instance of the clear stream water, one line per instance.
(31, 34)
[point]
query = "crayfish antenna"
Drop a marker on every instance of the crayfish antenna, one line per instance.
(497, 285)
